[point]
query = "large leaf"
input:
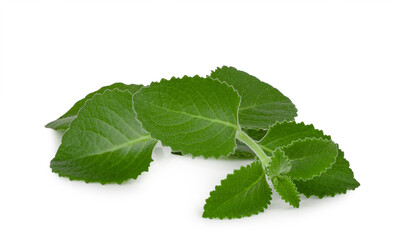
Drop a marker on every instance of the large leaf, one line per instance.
(310, 157)
(262, 104)
(338, 179)
(193, 115)
(283, 133)
(243, 193)
(105, 143)
(63, 122)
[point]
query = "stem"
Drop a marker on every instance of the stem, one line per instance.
(243, 137)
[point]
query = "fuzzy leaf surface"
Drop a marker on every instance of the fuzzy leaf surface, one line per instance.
(105, 143)
(283, 133)
(63, 122)
(287, 190)
(279, 164)
(194, 115)
(262, 104)
(310, 157)
(243, 193)
(338, 179)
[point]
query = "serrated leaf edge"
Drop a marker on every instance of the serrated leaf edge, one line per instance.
(84, 104)
(337, 193)
(254, 128)
(296, 191)
(62, 141)
(104, 182)
(221, 183)
(299, 123)
(312, 138)
(267, 167)
(179, 150)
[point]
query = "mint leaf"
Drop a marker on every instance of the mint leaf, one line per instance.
(63, 122)
(262, 104)
(310, 157)
(287, 190)
(279, 164)
(276, 170)
(283, 133)
(108, 139)
(105, 143)
(193, 115)
(243, 193)
(338, 179)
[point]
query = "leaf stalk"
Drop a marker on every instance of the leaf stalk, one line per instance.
(243, 137)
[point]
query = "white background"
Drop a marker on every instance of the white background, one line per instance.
(338, 61)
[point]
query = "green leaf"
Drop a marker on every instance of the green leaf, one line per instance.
(310, 157)
(276, 170)
(105, 143)
(193, 115)
(255, 134)
(338, 179)
(65, 120)
(279, 164)
(262, 104)
(243, 193)
(283, 133)
(287, 190)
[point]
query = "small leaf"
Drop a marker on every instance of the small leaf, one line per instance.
(65, 120)
(282, 134)
(262, 104)
(243, 193)
(287, 190)
(338, 179)
(279, 164)
(105, 143)
(310, 157)
(193, 115)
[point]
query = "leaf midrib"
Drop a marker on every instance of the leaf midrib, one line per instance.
(115, 148)
(198, 116)
(263, 104)
(241, 192)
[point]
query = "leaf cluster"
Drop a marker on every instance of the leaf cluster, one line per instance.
(110, 135)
